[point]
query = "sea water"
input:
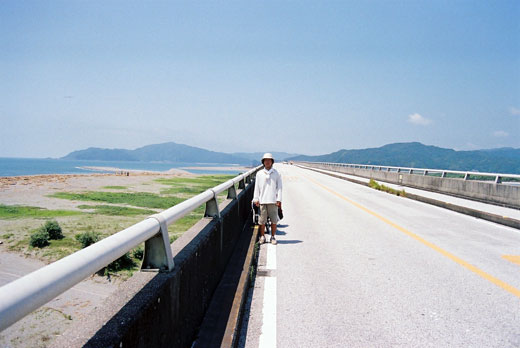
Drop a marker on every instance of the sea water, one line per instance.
(36, 166)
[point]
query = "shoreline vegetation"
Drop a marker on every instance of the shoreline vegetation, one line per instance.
(94, 205)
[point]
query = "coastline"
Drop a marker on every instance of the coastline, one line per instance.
(134, 171)
(16, 167)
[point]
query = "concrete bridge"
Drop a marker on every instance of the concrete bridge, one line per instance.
(354, 267)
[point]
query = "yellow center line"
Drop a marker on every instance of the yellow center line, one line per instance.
(513, 258)
(449, 255)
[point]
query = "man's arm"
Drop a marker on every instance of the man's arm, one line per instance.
(279, 190)
(256, 194)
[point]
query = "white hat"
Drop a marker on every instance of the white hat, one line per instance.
(267, 155)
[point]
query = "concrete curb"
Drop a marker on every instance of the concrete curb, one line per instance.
(222, 321)
(503, 220)
(233, 326)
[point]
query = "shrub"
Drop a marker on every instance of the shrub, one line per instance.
(40, 238)
(138, 253)
(123, 262)
(87, 238)
(54, 229)
(372, 183)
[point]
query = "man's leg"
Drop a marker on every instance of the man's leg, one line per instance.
(262, 232)
(273, 233)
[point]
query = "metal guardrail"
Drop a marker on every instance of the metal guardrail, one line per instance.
(20, 297)
(498, 178)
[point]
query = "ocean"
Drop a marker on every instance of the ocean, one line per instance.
(36, 166)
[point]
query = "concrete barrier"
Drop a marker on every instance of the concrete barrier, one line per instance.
(488, 192)
(166, 309)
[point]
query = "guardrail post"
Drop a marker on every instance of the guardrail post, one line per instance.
(157, 252)
(425, 172)
(466, 176)
(232, 192)
(443, 175)
(498, 179)
(212, 208)
(213, 212)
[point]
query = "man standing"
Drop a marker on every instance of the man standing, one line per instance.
(268, 195)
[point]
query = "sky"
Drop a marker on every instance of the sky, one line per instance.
(306, 77)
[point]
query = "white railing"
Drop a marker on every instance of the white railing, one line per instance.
(20, 297)
(498, 178)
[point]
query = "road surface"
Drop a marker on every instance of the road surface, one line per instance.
(356, 267)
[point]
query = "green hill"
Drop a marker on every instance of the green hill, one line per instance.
(503, 160)
(256, 156)
(166, 152)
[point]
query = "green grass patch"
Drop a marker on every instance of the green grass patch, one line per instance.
(137, 199)
(375, 185)
(20, 212)
(116, 210)
(58, 249)
(192, 186)
(115, 187)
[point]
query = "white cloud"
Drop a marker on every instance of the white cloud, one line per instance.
(514, 111)
(418, 119)
(500, 134)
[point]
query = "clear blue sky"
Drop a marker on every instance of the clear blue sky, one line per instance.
(303, 77)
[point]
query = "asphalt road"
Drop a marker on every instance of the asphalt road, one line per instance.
(355, 267)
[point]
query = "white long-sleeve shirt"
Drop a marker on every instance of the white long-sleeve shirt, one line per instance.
(268, 186)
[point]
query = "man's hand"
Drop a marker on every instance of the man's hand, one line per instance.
(257, 203)
(278, 204)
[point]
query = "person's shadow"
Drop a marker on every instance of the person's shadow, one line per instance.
(282, 241)
(280, 232)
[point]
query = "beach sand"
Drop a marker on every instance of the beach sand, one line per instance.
(32, 190)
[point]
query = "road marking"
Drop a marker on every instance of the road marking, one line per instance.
(268, 334)
(271, 257)
(512, 258)
(449, 255)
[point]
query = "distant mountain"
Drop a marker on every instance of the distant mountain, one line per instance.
(503, 160)
(166, 152)
(257, 156)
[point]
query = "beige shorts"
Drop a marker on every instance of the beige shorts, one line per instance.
(268, 209)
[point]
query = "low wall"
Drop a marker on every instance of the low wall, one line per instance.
(166, 309)
(501, 194)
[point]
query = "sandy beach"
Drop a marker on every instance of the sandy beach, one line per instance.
(122, 171)
(32, 190)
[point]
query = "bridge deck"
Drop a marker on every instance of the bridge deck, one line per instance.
(355, 267)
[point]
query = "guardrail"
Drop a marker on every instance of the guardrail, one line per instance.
(20, 297)
(498, 178)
